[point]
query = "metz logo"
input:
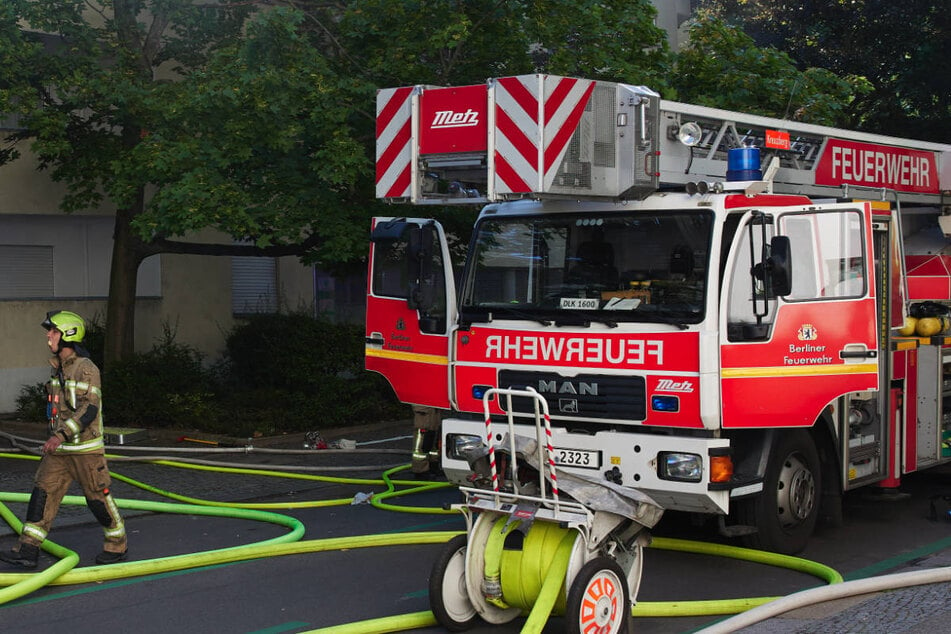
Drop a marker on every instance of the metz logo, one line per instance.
(453, 119)
(668, 385)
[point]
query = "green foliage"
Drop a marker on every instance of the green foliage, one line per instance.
(292, 352)
(94, 341)
(252, 142)
(81, 92)
(168, 386)
(31, 403)
(296, 373)
(722, 67)
(892, 52)
(455, 43)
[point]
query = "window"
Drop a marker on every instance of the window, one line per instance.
(26, 271)
(638, 267)
(390, 268)
(828, 260)
(61, 256)
(253, 285)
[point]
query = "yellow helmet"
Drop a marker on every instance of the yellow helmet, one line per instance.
(70, 325)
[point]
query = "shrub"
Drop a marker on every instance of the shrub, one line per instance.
(281, 373)
(294, 352)
(309, 368)
(165, 387)
(31, 403)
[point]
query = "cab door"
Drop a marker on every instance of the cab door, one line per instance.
(798, 314)
(411, 307)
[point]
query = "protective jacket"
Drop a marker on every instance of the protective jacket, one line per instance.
(75, 405)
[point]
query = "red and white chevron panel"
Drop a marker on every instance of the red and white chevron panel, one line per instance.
(394, 156)
(535, 118)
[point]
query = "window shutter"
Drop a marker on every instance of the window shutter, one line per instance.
(253, 285)
(26, 271)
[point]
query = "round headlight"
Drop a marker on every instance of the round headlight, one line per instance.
(689, 133)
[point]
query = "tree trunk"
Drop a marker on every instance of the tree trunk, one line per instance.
(128, 251)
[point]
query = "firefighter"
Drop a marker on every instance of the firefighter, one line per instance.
(425, 461)
(75, 450)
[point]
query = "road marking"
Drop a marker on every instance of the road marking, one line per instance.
(894, 562)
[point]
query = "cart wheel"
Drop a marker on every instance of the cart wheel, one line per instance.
(598, 601)
(448, 597)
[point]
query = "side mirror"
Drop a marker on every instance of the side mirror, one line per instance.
(779, 266)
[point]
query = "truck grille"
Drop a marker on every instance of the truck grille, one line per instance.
(581, 396)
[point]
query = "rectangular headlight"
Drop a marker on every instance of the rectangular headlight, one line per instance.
(685, 467)
(460, 446)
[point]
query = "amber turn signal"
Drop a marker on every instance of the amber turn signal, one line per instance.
(721, 468)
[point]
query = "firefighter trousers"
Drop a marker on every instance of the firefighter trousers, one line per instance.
(53, 478)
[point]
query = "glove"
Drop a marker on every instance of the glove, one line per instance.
(52, 444)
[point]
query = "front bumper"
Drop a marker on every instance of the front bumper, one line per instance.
(631, 459)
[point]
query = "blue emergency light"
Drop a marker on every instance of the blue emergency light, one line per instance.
(743, 164)
(665, 403)
(478, 391)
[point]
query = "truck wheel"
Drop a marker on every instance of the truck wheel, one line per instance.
(448, 597)
(785, 513)
(599, 600)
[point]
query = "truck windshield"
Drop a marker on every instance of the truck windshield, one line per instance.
(572, 269)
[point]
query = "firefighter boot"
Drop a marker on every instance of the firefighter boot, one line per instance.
(25, 556)
(109, 557)
(422, 442)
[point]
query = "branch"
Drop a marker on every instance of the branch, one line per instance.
(163, 245)
(153, 41)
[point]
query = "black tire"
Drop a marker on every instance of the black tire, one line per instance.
(785, 513)
(599, 598)
(448, 598)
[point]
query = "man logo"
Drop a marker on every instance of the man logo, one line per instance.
(583, 388)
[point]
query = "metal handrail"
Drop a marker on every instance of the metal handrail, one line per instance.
(546, 450)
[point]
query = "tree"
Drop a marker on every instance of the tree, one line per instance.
(81, 93)
(899, 48)
(186, 115)
(723, 67)
(457, 42)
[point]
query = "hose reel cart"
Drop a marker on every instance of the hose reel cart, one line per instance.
(538, 540)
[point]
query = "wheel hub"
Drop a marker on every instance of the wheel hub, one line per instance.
(796, 491)
(600, 609)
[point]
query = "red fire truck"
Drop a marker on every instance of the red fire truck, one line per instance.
(712, 304)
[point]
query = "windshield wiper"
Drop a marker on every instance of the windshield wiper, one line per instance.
(469, 314)
(663, 319)
(578, 319)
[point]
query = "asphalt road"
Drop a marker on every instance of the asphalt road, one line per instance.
(302, 592)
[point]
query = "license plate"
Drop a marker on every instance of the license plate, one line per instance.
(581, 458)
